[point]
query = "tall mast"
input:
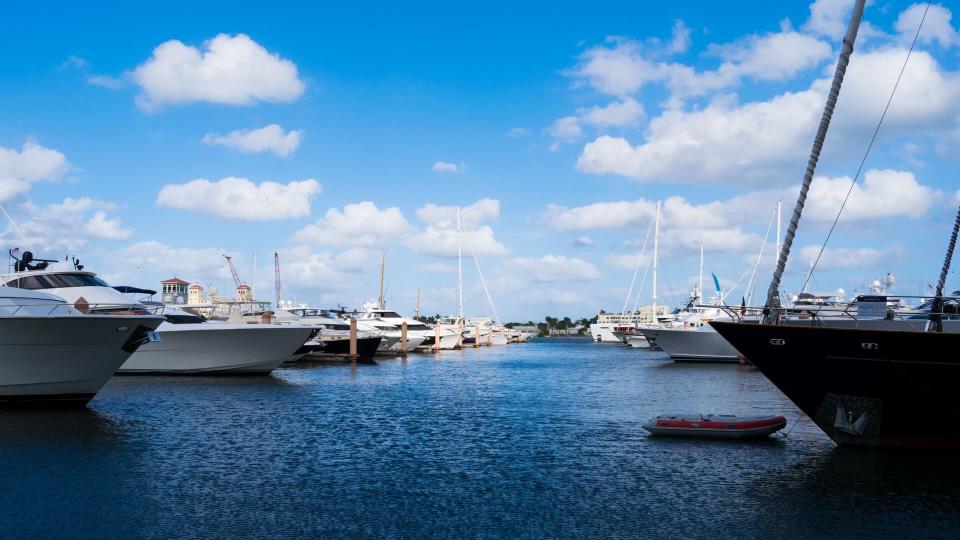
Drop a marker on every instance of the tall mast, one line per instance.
(656, 246)
(700, 283)
(417, 311)
(773, 293)
(937, 309)
(253, 293)
(383, 262)
(459, 264)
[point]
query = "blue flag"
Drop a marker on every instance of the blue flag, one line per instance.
(716, 281)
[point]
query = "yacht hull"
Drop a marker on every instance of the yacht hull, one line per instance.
(862, 387)
(64, 360)
(218, 348)
(340, 346)
(638, 341)
(603, 333)
(692, 345)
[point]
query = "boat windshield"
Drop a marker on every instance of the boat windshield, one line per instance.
(56, 281)
(388, 315)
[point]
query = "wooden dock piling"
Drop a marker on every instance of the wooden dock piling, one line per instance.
(353, 339)
(403, 339)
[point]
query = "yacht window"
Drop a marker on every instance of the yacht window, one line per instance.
(417, 327)
(388, 315)
(57, 281)
(183, 318)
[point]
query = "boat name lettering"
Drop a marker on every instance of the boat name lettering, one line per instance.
(778, 341)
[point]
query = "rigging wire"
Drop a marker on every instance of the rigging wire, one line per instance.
(873, 139)
(637, 270)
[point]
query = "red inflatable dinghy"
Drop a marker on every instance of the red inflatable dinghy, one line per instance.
(715, 426)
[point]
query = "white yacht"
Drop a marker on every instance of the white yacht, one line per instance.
(53, 353)
(187, 345)
(434, 337)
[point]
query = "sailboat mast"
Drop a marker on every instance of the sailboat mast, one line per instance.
(700, 283)
(773, 293)
(460, 263)
(254, 291)
(656, 247)
(383, 262)
(418, 304)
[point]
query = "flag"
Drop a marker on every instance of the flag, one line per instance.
(14, 251)
(743, 306)
(716, 281)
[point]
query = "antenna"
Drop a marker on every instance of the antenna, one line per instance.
(460, 262)
(383, 263)
(276, 277)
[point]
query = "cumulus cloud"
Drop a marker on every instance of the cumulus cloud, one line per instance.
(269, 138)
(439, 237)
(229, 70)
(882, 194)
(68, 225)
(622, 67)
(583, 242)
(936, 27)
(32, 163)
(842, 258)
(473, 215)
(361, 224)
(240, 198)
(566, 129)
(445, 167)
(728, 142)
(553, 268)
(624, 113)
(127, 265)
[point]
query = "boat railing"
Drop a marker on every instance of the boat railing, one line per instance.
(53, 309)
(914, 315)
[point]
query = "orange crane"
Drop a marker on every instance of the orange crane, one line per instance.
(241, 286)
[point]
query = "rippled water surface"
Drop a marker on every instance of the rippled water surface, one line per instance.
(536, 440)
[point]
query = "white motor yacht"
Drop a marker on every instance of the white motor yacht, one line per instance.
(434, 337)
(53, 353)
(187, 345)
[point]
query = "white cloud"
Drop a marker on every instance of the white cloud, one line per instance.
(269, 138)
(442, 241)
(625, 113)
(623, 66)
(566, 129)
(239, 198)
(445, 167)
(553, 268)
(230, 70)
(841, 258)
(828, 18)
(471, 216)
(31, 164)
(361, 225)
(128, 264)
(881, 194)
(936, 26)
(518, 132)
(680, 39)
(105, 81)
(304, 268)
(69, 225)
(764, 141)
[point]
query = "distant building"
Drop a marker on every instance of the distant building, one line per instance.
(174, 291)
(243, 293)
(195, 294)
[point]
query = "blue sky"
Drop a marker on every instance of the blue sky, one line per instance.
(148, 143)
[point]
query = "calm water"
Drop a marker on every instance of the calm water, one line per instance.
(537, 440)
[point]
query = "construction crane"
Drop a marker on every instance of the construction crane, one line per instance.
(243, 291)
(276, 277)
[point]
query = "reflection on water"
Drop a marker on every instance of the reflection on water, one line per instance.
(538, 440)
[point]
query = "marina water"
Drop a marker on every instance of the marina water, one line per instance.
(539, 440)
